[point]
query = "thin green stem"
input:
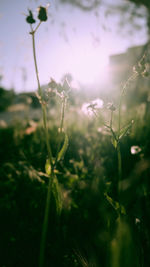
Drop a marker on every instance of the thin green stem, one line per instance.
(61, 126)
(48, 199)
(62, 114)
(45, 222)
(37, 26)
(47, 136)
(111, 119)
(119, 114)
(119, 166)
(118, 144)
(35, 63)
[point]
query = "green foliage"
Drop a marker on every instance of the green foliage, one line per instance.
(64, 148)
(89, 212)
(97, 197)
(56, 190)
(48, 168)
(125, 130)
(6, 98)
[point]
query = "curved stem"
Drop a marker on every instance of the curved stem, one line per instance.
(48, 199)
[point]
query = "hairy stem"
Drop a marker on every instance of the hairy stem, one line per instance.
(35, 63)
(48, 199)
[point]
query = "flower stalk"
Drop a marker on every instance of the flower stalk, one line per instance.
(31, 20)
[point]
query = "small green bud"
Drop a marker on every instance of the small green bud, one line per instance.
(42, 13)
(30, 18)
(145, 74)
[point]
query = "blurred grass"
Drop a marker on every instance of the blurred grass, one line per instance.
(91, 230)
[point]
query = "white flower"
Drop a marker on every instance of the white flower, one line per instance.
(135, 150)
(137, 221)
(90, 108)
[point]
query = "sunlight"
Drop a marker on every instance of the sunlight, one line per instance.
(90, 108)
(89, 64)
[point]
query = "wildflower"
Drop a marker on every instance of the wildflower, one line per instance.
(98, 103)
(137, 221)
(135, 150)
(30, 18)
(58, 89)
(90, 108)
(111, 106)
(42, 13)
(86, 110)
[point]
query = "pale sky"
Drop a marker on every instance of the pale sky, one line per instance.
(70, 41)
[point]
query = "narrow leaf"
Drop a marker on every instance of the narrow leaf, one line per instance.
(57, 195)
(48, 167)
(114, 142)
(125, 129)
(64, 148)
(119, 208)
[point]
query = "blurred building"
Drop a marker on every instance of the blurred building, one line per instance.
(121, 65)
(121, 68)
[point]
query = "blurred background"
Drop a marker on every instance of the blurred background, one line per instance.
(97, 45)
(95, 42)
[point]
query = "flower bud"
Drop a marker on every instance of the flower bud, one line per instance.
(145, 74)
(42, 13)
(30, 18)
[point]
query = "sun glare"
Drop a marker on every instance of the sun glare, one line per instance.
(89, 64)
(88, 108)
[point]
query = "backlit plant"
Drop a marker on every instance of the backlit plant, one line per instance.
(60, 90)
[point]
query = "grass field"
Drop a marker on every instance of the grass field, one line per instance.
(96, 226)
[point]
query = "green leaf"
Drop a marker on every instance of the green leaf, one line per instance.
(114, 142)
(64, 148)
(119, 208)
(48, 168)
(125, 129)
(57, 195)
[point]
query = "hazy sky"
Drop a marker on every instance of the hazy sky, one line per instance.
(70, 41)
